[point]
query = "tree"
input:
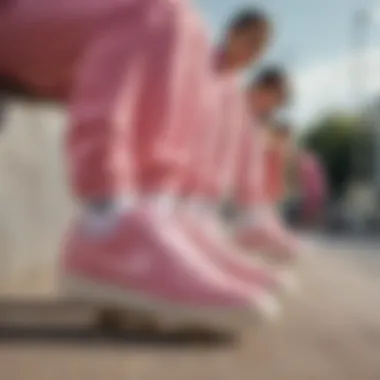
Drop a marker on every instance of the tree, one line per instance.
(344, 146)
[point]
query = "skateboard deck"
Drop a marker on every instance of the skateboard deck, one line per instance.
(45, 303)
(64, 311)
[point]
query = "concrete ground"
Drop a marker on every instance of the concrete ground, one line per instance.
(331, 330)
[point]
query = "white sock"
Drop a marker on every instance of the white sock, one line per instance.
(101, 216)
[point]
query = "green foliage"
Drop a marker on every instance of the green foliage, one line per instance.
(339, 140)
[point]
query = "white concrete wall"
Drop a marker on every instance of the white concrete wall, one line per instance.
(34, 202)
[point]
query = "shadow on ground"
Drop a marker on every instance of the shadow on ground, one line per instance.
(90, 336)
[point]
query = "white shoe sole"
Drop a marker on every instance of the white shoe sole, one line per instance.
(167, 314)
(289, 282)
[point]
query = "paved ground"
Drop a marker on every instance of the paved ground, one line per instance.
(331, 331)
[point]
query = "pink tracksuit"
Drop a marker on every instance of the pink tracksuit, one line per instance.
(214, 146)
(219, 181)
(260, 170)
(250, 167)
(122, 65)
(204, 131)
(275, 166)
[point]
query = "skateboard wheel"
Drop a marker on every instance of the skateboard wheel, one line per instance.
(109, 321)
(113, 320)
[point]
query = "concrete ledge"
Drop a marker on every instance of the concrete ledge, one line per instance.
(35, 203)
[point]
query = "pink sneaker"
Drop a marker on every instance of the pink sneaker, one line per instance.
(208, 234)
(284, 231)
(266, 234)
(138, 263)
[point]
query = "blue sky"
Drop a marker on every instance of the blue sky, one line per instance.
(313, 39)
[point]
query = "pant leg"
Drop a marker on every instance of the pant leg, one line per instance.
(176, 96)
(219, 156)
(199, 181)
(232, 124)
(274, 163)
(250, 168)
(124, 100)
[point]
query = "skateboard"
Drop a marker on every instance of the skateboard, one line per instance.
(116, 321)
(64, 313)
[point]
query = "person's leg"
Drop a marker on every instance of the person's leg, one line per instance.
(257, 229)
(132, 252)
(275, 167)
(214, 156)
